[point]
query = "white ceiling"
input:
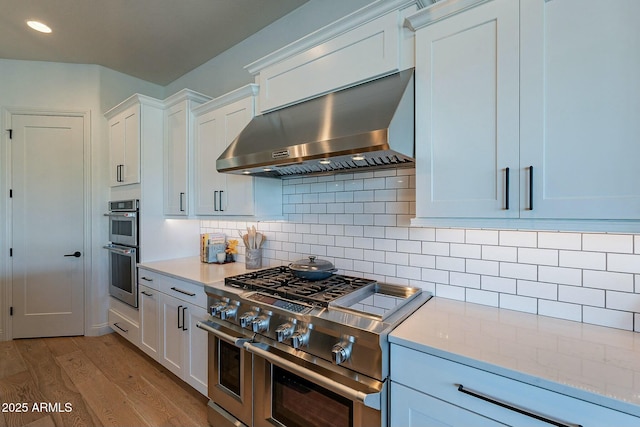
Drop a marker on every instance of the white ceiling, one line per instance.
(155, 40)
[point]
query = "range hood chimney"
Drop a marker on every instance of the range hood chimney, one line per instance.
(365, 127)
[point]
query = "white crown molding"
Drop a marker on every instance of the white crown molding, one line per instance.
(233, 96)
(336, 28)
(132, 100)
(186, 95)
(438, 11)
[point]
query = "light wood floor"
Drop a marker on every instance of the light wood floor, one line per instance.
(91, 381)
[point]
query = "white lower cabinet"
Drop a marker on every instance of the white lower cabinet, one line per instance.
(427, 390)
(170, 309)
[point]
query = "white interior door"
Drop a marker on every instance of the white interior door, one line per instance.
(47, 225)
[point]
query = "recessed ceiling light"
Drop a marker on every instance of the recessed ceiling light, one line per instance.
(39, 26)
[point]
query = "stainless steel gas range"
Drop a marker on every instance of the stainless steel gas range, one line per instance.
(293, 352)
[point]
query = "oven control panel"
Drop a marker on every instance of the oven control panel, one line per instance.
(284, 304)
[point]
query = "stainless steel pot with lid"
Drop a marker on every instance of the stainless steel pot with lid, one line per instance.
(312, 268)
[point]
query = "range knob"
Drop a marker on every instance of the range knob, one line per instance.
(261, 323)
(248, 317)
(300, 337)
(341, 352)
(217, 307)
(230, 311)
(285, 331)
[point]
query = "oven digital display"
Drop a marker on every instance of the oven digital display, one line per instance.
(297, 402)
(280, 303)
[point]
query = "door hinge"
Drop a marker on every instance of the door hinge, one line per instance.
(10, 311)
(10, 133)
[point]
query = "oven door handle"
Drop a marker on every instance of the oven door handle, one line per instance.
(120, 249)
(210, 327)
(371, 400)
(121, 214)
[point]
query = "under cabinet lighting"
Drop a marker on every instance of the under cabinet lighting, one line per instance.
(39, 26)
(325, 162)
(246, 172)
(357, 157)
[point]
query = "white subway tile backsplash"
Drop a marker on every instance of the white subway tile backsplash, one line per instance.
(579, 259)
(570, 241)
(610, 318)
(608, 280)
(580, 295)
(620, 243)
(518, 271)
(450, 235)
(361, 223)
(538, 256)
(482, 297)
(498, 284)
(527, 239)
(490, 268)
(519, 303)
(482, 237)
(500, 253)
(623, 263)
(561, 275)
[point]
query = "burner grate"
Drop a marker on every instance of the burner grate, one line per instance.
(282, 282)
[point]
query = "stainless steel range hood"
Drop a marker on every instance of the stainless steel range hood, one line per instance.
(369, 126)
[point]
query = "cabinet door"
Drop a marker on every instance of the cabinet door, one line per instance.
(172, 342)
(216, 193)
(411, 408)
(196, 347)
(467, 114)
(124, 147)
(149, 300)
(176, 161)
(238, 197)
(580, 99)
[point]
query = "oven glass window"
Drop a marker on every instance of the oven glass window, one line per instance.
(229, 366)
(122, 228)
(300, 403)
(121, 272)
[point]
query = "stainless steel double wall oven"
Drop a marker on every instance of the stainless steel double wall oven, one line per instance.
(123, 250)
(286, 351)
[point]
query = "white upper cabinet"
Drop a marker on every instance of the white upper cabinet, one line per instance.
(546, 90)
(580, 101)
(124, 146)
(467, 113)
(217, 124)
(178, 152)
(366, 44)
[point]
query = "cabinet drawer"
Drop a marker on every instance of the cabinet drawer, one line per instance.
(185, 291)
(124, 326)
(441, 378)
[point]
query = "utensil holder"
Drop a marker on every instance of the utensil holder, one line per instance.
(253, 259)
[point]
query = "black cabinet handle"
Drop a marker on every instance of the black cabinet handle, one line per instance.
(215, 201)
(530, 188)
(147, 279)
(179, 325)
(145, 293)
(221, 210)
(181, 202)
(122, 329)
(517, 409)
(506, 188)
(183, 292)
(184, 322)
(76, 254)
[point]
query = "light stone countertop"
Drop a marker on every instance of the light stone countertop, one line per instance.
(594, 363)
(193, 270)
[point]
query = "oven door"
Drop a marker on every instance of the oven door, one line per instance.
(229, 375)
(123, 275)
(294, 393)
(123, 228)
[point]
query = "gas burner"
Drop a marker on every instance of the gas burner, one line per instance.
(282, 282)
